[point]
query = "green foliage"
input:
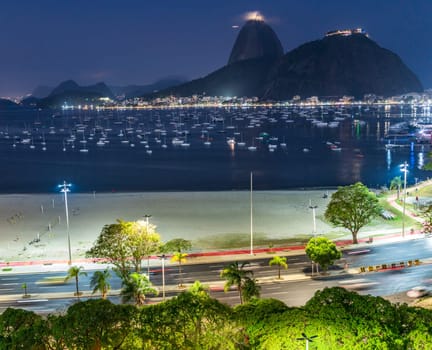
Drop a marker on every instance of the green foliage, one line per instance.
(74, 272)
(341, 320)
(100, 282)
(322, 251)
(20, 329)
(250, 290)
(259, 309)
(236, 275)
(396, 184)
(124, 244)
(135, 287)
(427, 215)
(180, 258)
(352, 207)
(189, 321)
(197, 288)
(428, 164)
(24, 287)
(93, 324)
(280, 262)
(177, 245)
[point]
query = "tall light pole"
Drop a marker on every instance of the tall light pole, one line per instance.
(313, 207)
(251, 214)
(65, 189)
(163, 275)
(404, 169)
(147, 217)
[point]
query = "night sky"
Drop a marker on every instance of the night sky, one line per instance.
(126, 42)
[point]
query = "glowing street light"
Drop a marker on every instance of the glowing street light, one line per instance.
(404, 169)
(65, 189)
(313, 207)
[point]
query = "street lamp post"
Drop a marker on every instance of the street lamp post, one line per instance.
(404, 169)
(313, 207)
(65, 189)
(147, 217)
(163, 275)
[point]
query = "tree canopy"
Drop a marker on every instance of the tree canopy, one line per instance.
(322, 251)
(177, 245)
(341, 320)
(124, 244)
(352, 207)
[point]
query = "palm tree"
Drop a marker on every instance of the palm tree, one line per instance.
(250, 289)
(396, 184)
(99, 282)
(177, 246)
(199, 289)
(180, 258)
(280, 262)
(135, 287)
(75, 272)
(24, 286)
(236, 275)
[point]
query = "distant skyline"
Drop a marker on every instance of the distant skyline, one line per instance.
(138, 42)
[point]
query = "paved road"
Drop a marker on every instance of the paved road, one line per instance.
(49, 292)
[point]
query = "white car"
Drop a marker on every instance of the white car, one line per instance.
(357, 284)
(418, 292)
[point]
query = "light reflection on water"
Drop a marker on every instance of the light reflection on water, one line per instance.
(349, 150)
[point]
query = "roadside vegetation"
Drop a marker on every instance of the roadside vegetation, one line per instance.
(339, 319)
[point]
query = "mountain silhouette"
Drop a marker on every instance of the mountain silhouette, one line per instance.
(347, 64)
(339, 65)
(71, 93)
(255, 40)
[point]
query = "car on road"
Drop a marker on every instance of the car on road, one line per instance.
(418, 292)
(357, 284)
(358, 252)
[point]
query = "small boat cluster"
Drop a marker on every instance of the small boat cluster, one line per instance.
(250, 129)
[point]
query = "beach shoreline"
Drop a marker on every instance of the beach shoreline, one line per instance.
(33, 226)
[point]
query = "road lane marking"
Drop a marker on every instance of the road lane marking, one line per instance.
(274, 288)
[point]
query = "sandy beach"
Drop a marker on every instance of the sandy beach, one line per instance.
(33, 227)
